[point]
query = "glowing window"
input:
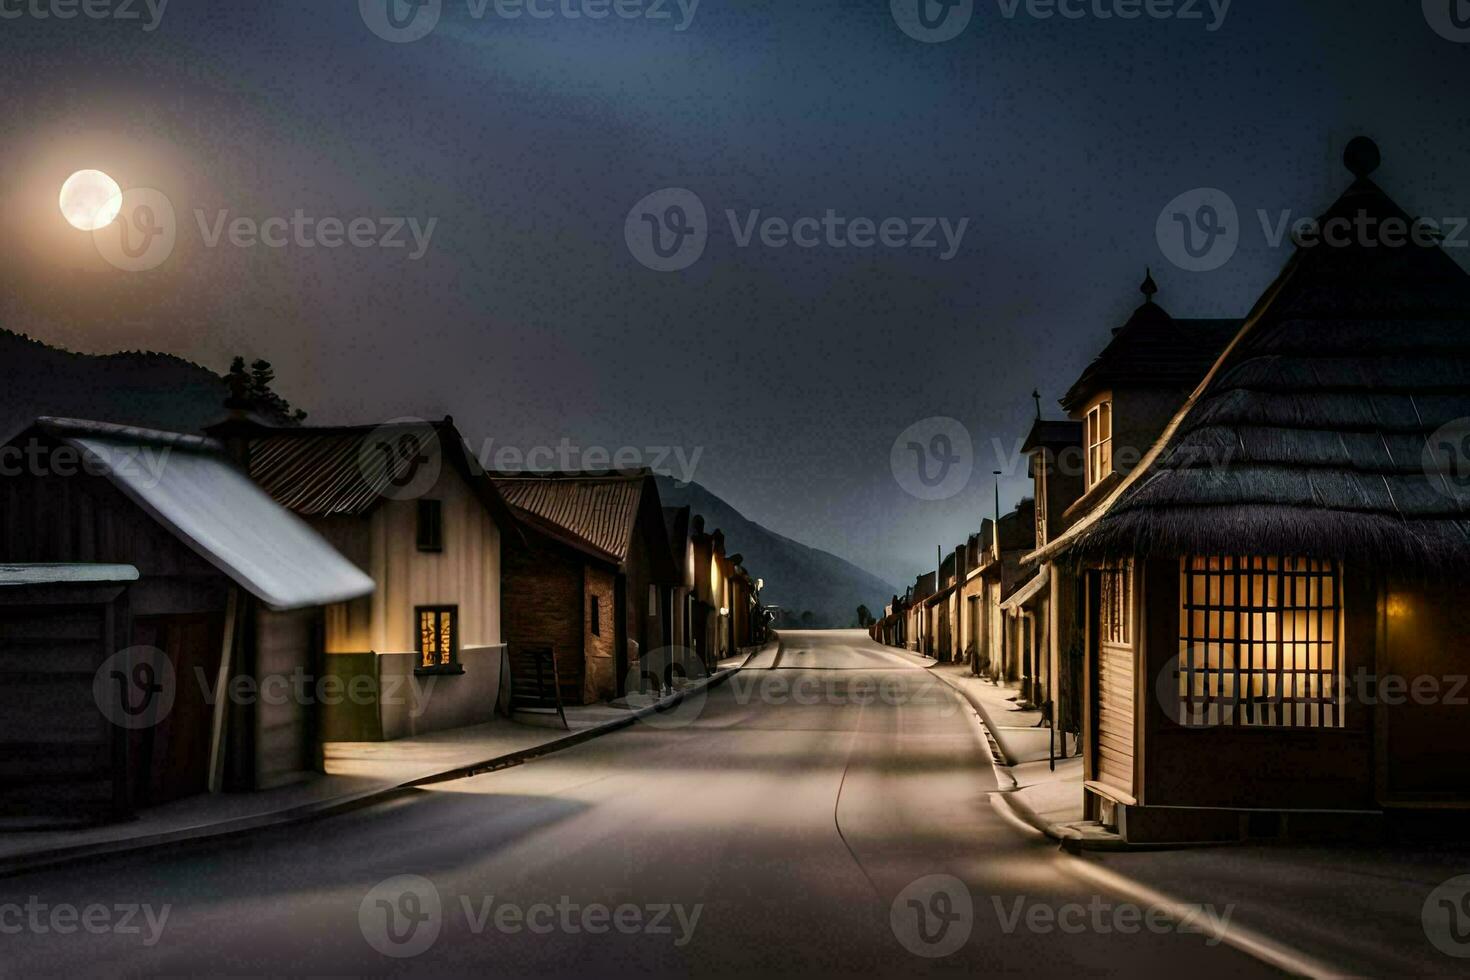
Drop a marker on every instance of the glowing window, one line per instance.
(1260, 642)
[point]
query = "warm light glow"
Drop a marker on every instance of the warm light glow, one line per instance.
(90, 200)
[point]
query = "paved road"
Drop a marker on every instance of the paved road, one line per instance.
(768, 831)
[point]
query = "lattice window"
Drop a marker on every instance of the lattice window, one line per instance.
(438, 636)
(1115, 622)
(1260, 642)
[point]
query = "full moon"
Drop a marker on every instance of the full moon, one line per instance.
(90, 200)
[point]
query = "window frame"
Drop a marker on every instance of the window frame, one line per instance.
(452, 665)
(1256, 609)
(429, 525)
(1115, 605)
(1099, 447)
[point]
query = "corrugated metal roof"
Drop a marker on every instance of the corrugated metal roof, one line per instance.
(600, 511)
(334, 471)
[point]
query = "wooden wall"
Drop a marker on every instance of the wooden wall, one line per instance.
(60, 758)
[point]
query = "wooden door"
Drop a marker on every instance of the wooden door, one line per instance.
(172, 757)
(1115, 681)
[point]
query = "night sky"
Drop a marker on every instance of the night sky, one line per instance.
(791, 370)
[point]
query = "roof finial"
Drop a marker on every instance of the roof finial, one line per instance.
(1149, 287)
(1361, 156)
(1036, 397)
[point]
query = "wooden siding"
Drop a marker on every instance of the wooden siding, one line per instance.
(286, 730)
(467, 573)
(59, 756)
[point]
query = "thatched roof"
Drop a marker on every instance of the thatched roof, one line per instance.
(1311, 435)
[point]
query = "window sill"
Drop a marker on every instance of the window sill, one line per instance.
(452, 669)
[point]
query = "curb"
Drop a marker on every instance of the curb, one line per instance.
(56, 857)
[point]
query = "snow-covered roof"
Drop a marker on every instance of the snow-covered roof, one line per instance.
(65, 574)
(217, 511)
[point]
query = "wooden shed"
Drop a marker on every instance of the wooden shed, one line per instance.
(228, 598)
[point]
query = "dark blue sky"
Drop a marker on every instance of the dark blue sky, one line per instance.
(790, 370)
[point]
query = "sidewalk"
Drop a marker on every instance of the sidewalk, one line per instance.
(1046, 797)
(1313, 910)
(357, 774)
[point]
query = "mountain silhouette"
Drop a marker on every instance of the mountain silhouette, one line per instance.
(797, 577)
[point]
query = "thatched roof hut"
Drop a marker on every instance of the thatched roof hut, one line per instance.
(1335, 425)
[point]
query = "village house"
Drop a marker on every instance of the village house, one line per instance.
(1289, 560)
(708, 599)
(1003, 575)
(973, 597)
(182, 621)
(409, 505)
(939, 611)
(917, 629)
(592, 580)
(1054, 458)
(678, 525)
